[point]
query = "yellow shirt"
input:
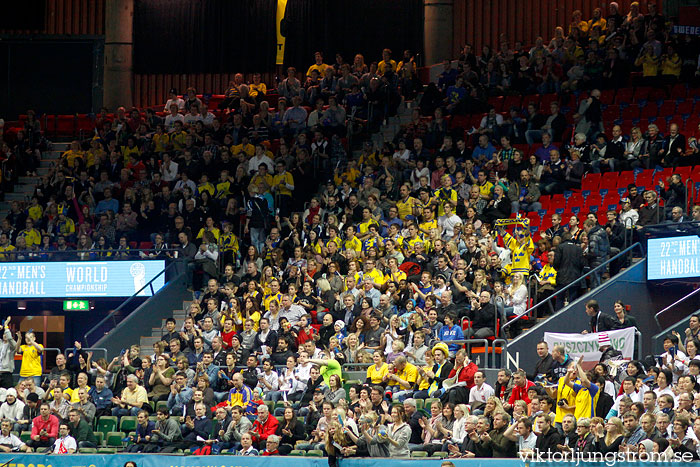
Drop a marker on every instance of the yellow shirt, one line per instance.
(74, 394)
(269, 298)
(31, 360)
(206, 187)
(548, 274)
(248, 149)
(376, 275)
(382, 66)
(281, 181)
(354, 244)
(5, 252)
(254, 89)
(397, 276)
(32, 237)
(426, 226)
(70, 157)
(405, 208)
(229, 242)
(337, 241)
(161, 142)
(215, 231)
(364, 226)
(564, 392)
(267, 181)
(35, 212)
(137, 395)
(408, 374)
(376, 375)
(486, 189)
(321, 69)
(444, 195)
(223, 189)
(349, 176)
(178, 140)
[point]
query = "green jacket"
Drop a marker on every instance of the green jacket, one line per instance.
(82, 432)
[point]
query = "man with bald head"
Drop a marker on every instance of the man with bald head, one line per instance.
(524, 194)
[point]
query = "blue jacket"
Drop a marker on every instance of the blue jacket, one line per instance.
(450, 334)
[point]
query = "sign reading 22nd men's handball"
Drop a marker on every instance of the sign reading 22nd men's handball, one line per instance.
(79, 279)
(673, 257)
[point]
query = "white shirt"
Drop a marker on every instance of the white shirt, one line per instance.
(272, 379)
(11, 440)
(255, 162)
(170, 120)
(179, 101)
(447, 224)
(169, 172)
(480, 394)
(527, 443)
(62, 445)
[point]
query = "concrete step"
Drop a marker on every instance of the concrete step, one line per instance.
(24, 188)
(16, 197)
(28, 180)
(147, 342)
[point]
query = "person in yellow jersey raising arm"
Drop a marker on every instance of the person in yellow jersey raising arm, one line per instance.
(586, 393)
(31, 356)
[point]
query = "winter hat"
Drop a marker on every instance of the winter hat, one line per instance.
(604, 340)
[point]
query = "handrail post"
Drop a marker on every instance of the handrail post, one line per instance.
(577, 281)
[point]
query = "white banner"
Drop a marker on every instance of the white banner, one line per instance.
(588, 344)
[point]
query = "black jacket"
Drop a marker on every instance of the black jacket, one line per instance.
(602, 322)
(542, 367)
(568, 262)
(548, 442)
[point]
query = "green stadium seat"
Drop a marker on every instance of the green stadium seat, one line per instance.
(163, 404)
(419, 454)
(440, 454)
(25, 436)
(429, 402)
(420, 403)
(114, 438)
(87, 450)
(297, 452)
(106, 424)
(314, 453)
(127, 423)
(100, 437)
(106, 450)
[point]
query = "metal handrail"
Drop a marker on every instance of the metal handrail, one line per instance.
(87, 349)
(656, 316)
(128, 300)
(583, 277)
(114, 254)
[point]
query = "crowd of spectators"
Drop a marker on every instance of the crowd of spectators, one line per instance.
(306, 258)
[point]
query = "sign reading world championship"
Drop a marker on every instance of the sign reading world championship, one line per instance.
(673, 257)
(79, 279)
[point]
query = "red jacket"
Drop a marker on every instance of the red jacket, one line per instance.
(261, 431)
(520, 393)
(51, 426)
(466, 374)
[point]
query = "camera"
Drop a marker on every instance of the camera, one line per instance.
(561, 402)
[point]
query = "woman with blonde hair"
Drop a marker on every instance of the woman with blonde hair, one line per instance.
(492, 407)
(517, 301)
(610, 437)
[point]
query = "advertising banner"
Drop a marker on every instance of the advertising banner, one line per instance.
(80, 279)
(587, 344)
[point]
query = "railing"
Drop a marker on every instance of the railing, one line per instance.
(113, 314)
(101, 350)
(575, 283)
(111, 254)
(656, 316)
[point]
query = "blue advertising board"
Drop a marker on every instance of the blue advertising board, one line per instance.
(673, 257)
(66, 279)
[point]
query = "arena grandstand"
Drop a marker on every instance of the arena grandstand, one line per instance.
(495, 255)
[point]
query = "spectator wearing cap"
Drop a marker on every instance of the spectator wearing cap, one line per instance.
(174, 99)
(607, 351)
(29, 413)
